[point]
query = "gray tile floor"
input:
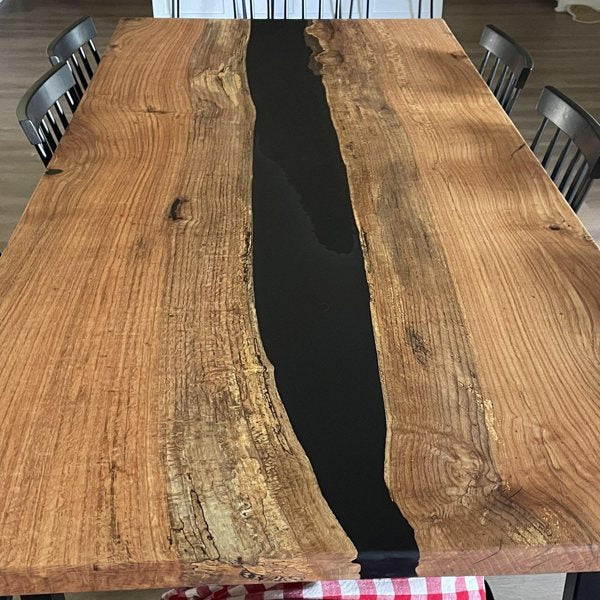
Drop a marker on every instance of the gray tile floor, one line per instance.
(564, 53)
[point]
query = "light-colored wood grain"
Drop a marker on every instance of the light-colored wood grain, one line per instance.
(143, 440)
(485, 302)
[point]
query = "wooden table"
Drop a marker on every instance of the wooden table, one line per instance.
(295, 305)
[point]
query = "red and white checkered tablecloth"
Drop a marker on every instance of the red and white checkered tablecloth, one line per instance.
(415, 588)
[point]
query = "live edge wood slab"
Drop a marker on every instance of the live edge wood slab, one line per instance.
(294, 301)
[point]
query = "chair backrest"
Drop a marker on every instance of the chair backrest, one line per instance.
(75, 46)
(505, 66)
(573, 162)
(327, 9)
(45, 109)
(426, 10)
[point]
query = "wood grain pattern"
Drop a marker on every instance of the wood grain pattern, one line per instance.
(143, 440)
(485, 306)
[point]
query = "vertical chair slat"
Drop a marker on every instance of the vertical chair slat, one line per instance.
(539, 133)
(44, 153)
(569, 171)
(47, 136)
(80, 75)
(77, 86)
(61, 114)
(550, 148)
(560, 160)
(579, 197)
(73, 98)
(54, 125)
(94, 51)
(484, 62)
(86, 63)
(514, 97)
(501, 81)
(505, 94)
(493, 72)
(577, 181)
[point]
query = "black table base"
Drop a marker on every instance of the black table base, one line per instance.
(582, 586)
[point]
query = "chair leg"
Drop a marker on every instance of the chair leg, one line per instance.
(488, 591)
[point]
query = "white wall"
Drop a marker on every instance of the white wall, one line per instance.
(219, 9)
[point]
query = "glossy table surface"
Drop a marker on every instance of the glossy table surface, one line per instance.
(294, 301)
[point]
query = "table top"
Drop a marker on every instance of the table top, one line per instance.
(295, 304)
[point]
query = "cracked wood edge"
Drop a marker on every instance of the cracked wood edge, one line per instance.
(483, 315)
(144, 443)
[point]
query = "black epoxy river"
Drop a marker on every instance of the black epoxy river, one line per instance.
(312, 297)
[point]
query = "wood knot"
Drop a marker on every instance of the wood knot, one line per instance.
(222, 86)
(53, 171)
(417, 345)
(554, 227)
(330, 57)
(246, 574)
(175, 209)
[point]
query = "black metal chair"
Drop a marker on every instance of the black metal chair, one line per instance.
(574, 164)
(423, 12)
(69, 47)
(507, 71)
(45, 109)
(37, 597)
(338, 9)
